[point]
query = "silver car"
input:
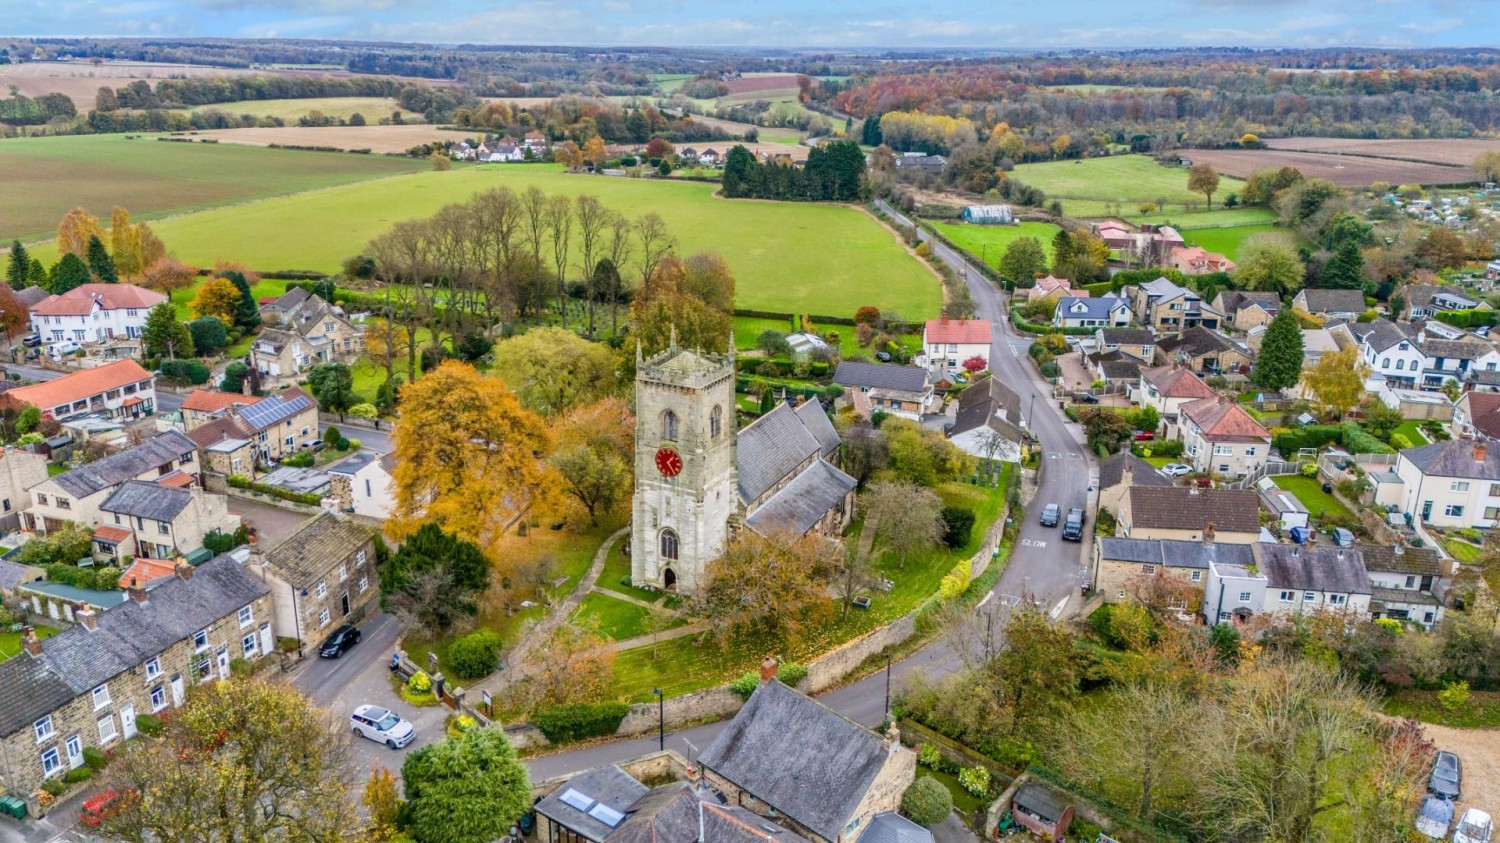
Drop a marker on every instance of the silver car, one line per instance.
(381, 725)
(1434, 817)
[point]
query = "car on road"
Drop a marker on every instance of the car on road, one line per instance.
(1434, 817)
(1474, 826)
(1073, 527)
(1176, 469)
(1447, 776)
(382, 726)
(338, 642)
(1051, 513)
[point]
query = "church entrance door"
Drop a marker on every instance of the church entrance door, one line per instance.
(669, 579)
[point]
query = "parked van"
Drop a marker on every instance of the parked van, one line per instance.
(1073, 527)
(62, 349)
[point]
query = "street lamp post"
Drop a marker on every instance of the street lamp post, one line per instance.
(661, 720)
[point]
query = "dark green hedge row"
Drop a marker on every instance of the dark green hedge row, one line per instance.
(582, 720)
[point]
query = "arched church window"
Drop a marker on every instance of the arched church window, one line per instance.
(669, 544)
(669, 426)
(715, 422)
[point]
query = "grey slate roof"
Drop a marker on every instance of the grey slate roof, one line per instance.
(1411, 560)
(1142, 473)
(1455, 458)
(276, 408)
(13, 574)
(296, 479)
(77, 660)
(1174, 554)
(126, 465)
(1383, 333)
(140, 499)
(894, 828)
(801, 504)
(1456, 349)
(799, 757)
(1234, 301)
(1196, 342)
(311, 551)
(816, 420)
(770, 448)
(1334, 301)
(353, 464)
(1121, 370)
(1179, 508)
(1073, 307)
(1040, 800)
(32, 296)
(733, 824)
(288, 301)
(672, 814)
(881, 376)
(1323, 568)
(609, 786)
(1127, 336)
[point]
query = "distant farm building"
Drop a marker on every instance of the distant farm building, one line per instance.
(988, 214)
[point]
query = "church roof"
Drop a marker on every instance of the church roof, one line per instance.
(802, 503)
(686, 362)
(772, 447)
(816, 419)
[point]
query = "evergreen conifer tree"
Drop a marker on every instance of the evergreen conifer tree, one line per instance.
(1279, 365)
(101, 265)
(18, 267)
(70, 273)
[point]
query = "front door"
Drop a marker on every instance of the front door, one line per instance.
(127, 720)
(344, 605)
(223, 656)
(267, 644)
(75, 753)
(176, 689)
(1426, 510)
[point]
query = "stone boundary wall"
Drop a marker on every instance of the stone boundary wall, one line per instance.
(827, 670)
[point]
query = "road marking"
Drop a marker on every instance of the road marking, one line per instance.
(985, 600)
(1057, 610)
(1030, 543)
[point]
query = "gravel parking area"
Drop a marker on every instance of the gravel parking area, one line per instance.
(1479, 750)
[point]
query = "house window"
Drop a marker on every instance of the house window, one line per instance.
(669, 426)
(247, 616)
(1223, 450)
(1400, 365)
(1244, 597)
(1453, 510)
(1385, 363)
(1308, 597)
(64, 503)
(1250, 451)
(1196, 576)
(51, 762)
(1458, 486)
(1177, 603)
(101, 697)
(1495, 490)
(359, 557)
(1337, 599)
(364, 583)
(715, 421)
(107, 731)
(1148, 570)
(321, 591)
(158, 699)
(247, 644)
(43, 728)
(41, 499)
(343, 571)
(1492, 513)
(1411, 582)
(153, 668)
(1288, 596)
(163, 528)
(323, 618)
(1223, 468)
(200, 641)
(669, 545)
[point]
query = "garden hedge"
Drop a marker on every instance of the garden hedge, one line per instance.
(581, 720)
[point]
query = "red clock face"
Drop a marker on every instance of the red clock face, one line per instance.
(668, 462)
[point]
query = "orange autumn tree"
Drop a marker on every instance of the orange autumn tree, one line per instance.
(74, 231)
(470, 458)
(219, 297)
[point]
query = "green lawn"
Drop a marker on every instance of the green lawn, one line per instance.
(747, 329)
(1412, 432)
(985, 501)
(1128, 179)
(1482, 711)
(42, 178)
(989, 241)
(791, 257)
(1229, 241)
(617, 571)
(10, 642)
(1464, 552)
(619, 619)
(1309, 490)
(1219, 217)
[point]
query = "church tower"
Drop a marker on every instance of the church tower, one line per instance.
(686, 490)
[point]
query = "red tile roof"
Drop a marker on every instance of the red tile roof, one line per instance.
(211, 401)
(144, 570)
(79, 301)
(967, 331)
(1178, 382)
(177, 480)
(112, 534)
(81, 385)
(1222, 420)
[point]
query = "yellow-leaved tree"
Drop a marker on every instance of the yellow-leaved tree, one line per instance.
(554, 369)
(1338, 381)
(471, 458)
(219, 297)
(74, 231)
(125, 244)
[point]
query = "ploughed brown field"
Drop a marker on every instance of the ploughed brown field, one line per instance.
(1342, 170)
(377, 139)
(1457, 152)
(762, 82)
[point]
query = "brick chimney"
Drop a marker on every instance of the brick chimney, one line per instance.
(184, 570)
(1479, 450)
(86, 617)
(1208, 533)
(892, 740)
(135, 592)
(30, 642)
(768, 668)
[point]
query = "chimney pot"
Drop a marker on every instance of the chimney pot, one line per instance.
(184, 570)
(86, 617)
(135, 592)
(1479, 450)
(768, 669)
(1208, 533)
(30, 642)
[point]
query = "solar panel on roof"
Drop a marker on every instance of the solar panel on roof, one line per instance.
(574, 799)
(607, 815)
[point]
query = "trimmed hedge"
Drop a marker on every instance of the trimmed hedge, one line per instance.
(567, 723)
(788, 673)
(1467, 318)
(103, 578)
(1036, 328)
(185, 372)
(475, 655)
(1354, 438)
(239, 481)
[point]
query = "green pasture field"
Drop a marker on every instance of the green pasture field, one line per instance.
(1229, 241)
(618, 619)
(1126, 178)
(371, 108)
(989, 241)
(786, 256)
(668, 83)
(42, 178)
(1217, 218)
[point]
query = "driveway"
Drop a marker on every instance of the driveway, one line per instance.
(1479, 750)
(273, 522)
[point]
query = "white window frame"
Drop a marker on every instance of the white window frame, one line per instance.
(158, 698)
(1288, 596)
(246, 616)
(1196, 576)
(1458, 486)
(250, 645)
(359, 556)
(321, 590)
(323, 618)
(43, 729)
(343, 571)
(1148, 570)
(106, 736)
(364, 583)
(1245, 596)
(1453, 510)
(153, 667)
(52, 763)
(1338, 599)
(200, 641)
(101, 697)
(1309, 596)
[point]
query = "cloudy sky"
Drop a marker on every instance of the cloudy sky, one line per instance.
(790, 23)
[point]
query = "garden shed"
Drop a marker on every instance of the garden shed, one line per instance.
(988, 214)
(1042, 811)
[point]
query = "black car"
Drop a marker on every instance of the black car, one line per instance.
(1073, 527)
(338, 642)
(1051, 513)
(1447, 776)
(1084, 398)
(31, 341)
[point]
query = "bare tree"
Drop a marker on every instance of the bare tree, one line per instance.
(618, 251)
(535, 225)
(854, 575)
(593, 221)
(656, 243)
(1131, 747)
(559, 215)
(908, 517)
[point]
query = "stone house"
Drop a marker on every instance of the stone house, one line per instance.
(279, 311)
(1121, 472)
(328, 332)
(77, 495)
(279, 355)
(363, 485)
(1244, 310)
(607, 805)
(1121, 565)
(904, 391)
(1219, 436)
(1168, 308)
(20, 470)
(204, 405)
(1182, 513)
(786, 756)
(1330, 304)
(1139, 343)
(84, 687)
(1168, 388)
(162, 521)
(1204, 350)
(276, 426)
(321, 575)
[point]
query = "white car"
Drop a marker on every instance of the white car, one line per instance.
(1176, 469)
(1473, 827)
(378, 724)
